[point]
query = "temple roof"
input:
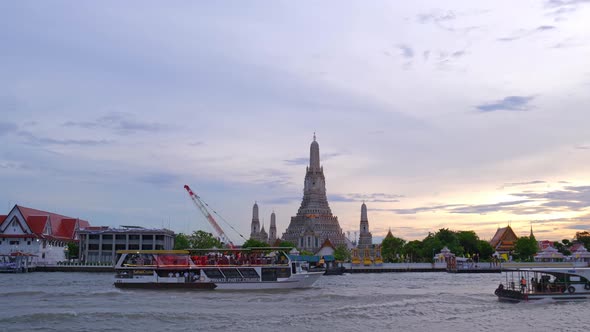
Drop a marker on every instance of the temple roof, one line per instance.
(504, 235)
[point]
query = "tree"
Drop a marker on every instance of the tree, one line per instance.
(252, 243)
(469, 241)
(449, 239)
(561, 248)
(181, 242)
(485, 249)
(392, 248)
(287, 244)
(412, 250)
(341, 253)
(73, 249)
(203, 240)
(583, 237)
(526, 247)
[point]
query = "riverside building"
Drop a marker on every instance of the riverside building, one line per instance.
(100, 244)
(39, 234)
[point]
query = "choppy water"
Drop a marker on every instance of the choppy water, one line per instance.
(356, 302)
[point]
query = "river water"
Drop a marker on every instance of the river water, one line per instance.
(43, 301)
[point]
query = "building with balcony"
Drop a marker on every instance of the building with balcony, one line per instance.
(100, 244)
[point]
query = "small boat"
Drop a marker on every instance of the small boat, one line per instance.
(243, 269)
(334, 269)
(553, 284)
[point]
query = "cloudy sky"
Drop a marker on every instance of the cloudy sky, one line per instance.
(462, 114)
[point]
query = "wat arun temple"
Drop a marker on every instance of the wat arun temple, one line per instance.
(314, 222)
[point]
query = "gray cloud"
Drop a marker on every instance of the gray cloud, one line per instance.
(436, 17)
(406, 51)
(571, 198)
(434, 208)
(458, 54)
(38, 140)
(583, 147)
(120, 123)
(160, 179)
(270, 178)
(445, 19)
(297, 161)
(305, 160)
(487, 208)
(7, 127)
(527, 33)
(356, 197)
(562, 3)
(510, 103)
(516, 184)
(281, 200)
(13, 165)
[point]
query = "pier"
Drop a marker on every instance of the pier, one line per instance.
(395, 267)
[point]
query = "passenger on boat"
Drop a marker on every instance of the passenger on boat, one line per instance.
(522, 284)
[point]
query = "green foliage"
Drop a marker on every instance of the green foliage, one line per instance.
(562, 248)
(485, 250)
(181, 241)
(197, 240)
(73, 249)
(287, 244)
(305, 253)
(413, 250)
(341, 253)
(526, 247)
(203, 240)
(450, 240)
(392, 248)
(252, 243)
(583, 237)
(469, 241)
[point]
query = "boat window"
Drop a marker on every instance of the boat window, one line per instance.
(138, 260)
(283, 272)
(249, 272)
(213, 273)
(231, 273)
(173, 260)
(269, 274)
(575, 278)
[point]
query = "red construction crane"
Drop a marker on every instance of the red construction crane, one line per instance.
(201, 205)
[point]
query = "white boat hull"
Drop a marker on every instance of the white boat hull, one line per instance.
(295, 281)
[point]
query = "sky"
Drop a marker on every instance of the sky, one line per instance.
(467, 115)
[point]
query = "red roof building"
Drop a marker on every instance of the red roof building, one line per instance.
(38, 232)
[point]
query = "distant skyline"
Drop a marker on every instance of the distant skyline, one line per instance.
(461, 115)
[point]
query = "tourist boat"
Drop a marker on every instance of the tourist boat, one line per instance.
(552, 284)
(253, 269)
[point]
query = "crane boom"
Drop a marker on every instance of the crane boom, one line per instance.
(224, 238)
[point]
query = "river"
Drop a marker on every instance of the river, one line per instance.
(435, 302)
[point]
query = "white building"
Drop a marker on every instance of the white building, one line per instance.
(40, 233)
